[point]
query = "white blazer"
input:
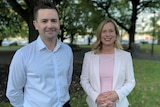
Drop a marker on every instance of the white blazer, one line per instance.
(123, 77)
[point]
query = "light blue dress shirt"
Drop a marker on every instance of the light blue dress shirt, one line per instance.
(39, 77)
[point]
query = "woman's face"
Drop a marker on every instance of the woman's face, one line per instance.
(108, 34)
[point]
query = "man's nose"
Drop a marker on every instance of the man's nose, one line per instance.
(50, 24)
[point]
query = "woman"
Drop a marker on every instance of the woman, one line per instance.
(107, 71)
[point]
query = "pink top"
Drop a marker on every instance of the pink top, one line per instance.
(106, 71)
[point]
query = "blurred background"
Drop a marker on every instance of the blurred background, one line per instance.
(139, 26)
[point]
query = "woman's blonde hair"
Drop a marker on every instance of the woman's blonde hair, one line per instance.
(97, 46)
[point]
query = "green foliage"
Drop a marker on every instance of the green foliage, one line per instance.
(79, 17)
(122, 11)
(154, 25)
(11, 24)
(125, 13)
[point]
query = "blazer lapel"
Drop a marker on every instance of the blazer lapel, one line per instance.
(116, 68)
(95, 61)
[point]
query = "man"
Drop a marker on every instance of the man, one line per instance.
(40, 72)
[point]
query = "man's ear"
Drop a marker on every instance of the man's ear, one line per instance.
(35, 24)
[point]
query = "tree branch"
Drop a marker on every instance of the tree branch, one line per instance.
(17, 7)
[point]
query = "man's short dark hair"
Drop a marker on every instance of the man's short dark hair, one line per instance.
(43, 4)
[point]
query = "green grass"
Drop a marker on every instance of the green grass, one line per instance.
(8, 48)
(85, 46)
(5, 104)
(145, 94)
(146, 49)
(78, 99)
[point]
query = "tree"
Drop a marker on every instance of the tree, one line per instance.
(151, 24)
(152, 27)
(2, 21)
(125, 12)
(78, 18)
(11, 23)
(25, 9)
(72, 15)
(155, 32)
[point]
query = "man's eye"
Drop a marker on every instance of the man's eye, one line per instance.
(54, 21)
(44, 21)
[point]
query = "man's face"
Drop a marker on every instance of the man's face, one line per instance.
(47, 23)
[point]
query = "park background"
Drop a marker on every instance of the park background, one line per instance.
(138, 21)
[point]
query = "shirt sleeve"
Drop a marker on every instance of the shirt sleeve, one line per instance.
(70, 69)
(16, 80)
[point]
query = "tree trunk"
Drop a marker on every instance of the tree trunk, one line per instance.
(33, 34)
(131, 33)
(131, 41)
(1, 42)
(72, 38)
(62, 33)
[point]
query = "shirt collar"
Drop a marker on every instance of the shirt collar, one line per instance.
(58, 45)
(41, 45)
